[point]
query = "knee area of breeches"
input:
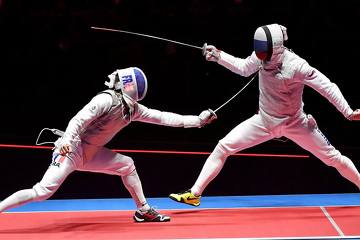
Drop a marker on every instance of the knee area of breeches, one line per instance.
(223, 148)
(127, 166)
(336, 161)
(42, 192)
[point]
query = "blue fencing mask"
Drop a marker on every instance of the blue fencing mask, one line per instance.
(130, 81)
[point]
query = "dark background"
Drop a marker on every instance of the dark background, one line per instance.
(52, 64)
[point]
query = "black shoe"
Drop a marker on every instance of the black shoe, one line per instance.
(150, 215)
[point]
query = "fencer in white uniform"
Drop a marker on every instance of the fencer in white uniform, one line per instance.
(82, 145)
(282, 76)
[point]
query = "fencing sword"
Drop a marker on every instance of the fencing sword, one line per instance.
(203, 49)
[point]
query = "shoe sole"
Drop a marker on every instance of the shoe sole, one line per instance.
(139, 220)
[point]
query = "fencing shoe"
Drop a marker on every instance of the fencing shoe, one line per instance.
(186, 197)
(150, 215)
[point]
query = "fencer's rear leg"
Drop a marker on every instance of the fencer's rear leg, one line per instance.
(55, 175)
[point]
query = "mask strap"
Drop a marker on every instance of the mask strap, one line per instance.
(269, 43)
(284, 32)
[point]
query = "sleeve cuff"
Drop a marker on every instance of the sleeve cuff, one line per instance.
(191, 121)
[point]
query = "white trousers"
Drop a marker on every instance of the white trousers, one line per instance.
(302, 130)
(83, 158)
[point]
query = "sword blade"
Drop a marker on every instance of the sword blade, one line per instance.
(145, 35)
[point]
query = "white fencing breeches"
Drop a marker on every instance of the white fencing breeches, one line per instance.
(86, 158)
(254, 130)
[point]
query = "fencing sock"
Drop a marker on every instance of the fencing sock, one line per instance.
(133, 185)
(348, 170)
(210, 170)
(17, 199)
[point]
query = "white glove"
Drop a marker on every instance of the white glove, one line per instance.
(211, 53)
(206, 117)
(355, 116)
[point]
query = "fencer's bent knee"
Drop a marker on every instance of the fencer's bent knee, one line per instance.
(335, 159)
(127, 167)
(43, 192)
(224, 148)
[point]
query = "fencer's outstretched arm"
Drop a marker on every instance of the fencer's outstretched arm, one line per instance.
(244, 67)
(144, 114)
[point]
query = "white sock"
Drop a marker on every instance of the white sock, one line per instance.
(210, 170)
(348, 170)
(133, 185)
(145, 207)
(17, 199)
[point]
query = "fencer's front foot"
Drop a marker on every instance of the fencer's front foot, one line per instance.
(150, 215)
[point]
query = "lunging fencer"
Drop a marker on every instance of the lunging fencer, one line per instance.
(82, 145)
(282, 76)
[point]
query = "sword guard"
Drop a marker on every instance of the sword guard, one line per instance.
(213, 114)
(204, 49)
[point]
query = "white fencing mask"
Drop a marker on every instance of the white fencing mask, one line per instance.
(131, 81)
(269, 41)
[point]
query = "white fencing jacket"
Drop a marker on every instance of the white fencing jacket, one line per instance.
(107, 113)
(281, 84)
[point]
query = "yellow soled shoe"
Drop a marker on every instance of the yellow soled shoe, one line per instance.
(186, 197)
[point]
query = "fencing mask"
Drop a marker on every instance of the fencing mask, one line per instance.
(130, 81)
(269, 41)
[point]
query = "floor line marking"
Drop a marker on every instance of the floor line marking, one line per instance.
(277, 238)
(171, 209)
(333, 223)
